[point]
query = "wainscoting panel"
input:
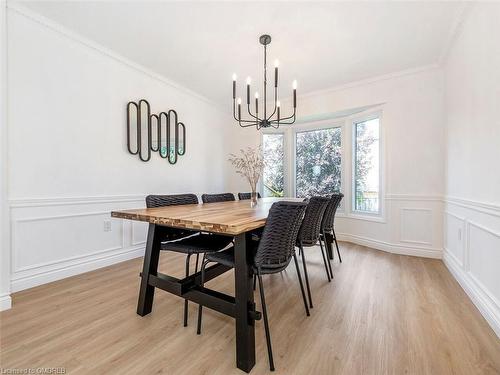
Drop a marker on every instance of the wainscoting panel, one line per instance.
(454, 237)
(472, 253)
(412, 225)
(483, 258)
(139, 233)
(66, 236)
(56, 238)
(416, 225)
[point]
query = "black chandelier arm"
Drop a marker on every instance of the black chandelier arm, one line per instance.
(250, 113)
(240, 120)
(234, 109)
(246, 121)
(246, 126)
(275, 103)
(289, 117)
(284, 120)
(282, 123)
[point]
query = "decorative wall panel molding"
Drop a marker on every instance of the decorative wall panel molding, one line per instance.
(415, 225)
(487, 208)
(472, 240)
(54, 238)
(454, 237)
(147, 133)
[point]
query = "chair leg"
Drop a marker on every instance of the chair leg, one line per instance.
(186, 301)
(337, 245)
(301, 284)
(266, 324)
(200, 307)
(324, 261)
(329, 254)
(196, 266)
(328, 248)
(306, 276)
(254, 281)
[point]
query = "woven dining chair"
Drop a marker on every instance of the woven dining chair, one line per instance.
(244, 196)
(183, 240)
(328, 227)
(213, 198)
(273, 254)
(309, 234)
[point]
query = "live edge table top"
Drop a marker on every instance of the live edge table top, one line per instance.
(230, 218)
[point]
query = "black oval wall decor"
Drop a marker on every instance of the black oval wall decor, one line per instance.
(147, 133)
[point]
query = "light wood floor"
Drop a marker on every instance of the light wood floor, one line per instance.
(382, 314)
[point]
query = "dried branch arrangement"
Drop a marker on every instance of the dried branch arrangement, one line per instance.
(249, 164)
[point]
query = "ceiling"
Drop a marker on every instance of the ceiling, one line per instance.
(321, 44)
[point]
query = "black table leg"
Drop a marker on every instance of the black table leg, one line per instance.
(245, 325)
(150, 266)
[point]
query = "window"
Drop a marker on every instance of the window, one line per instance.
(366, 187)
(318, 161)
(274, 171)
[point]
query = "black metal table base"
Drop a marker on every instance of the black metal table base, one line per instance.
(241, 307)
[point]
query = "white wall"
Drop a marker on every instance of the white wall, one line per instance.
(472, 210)
(68, 163)
(412, 116)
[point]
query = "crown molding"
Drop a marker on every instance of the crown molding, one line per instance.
(455, 30)
(368, 81)
(66, 32)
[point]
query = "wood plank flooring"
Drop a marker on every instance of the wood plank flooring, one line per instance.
(382, 314)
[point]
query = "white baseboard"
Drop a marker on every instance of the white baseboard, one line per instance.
(5, 302)
(76, 267)
(413, 250)
(486, 305)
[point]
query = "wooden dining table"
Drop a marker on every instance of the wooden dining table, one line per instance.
(236, 219)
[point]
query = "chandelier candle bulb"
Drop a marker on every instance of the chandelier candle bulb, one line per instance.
(256, 102)
(239, 108)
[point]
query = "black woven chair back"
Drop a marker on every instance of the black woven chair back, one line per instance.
(243, 196)
(170, 200)
(212, 198)
(277, 244)
(331, 209)
(171, 234)
(311, 225)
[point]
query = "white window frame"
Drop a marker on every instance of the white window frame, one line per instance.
(366, 215)
(286, 164)
(347, 125)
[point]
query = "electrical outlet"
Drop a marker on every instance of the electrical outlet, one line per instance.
(107, 225)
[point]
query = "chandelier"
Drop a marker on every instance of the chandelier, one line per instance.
(266, 120)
